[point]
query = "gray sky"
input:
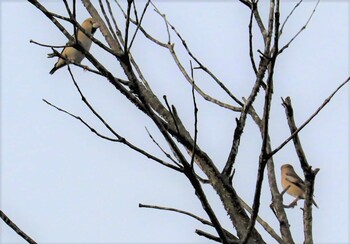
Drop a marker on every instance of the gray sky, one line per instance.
(60, 183)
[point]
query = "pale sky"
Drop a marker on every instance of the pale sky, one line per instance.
(62, 184)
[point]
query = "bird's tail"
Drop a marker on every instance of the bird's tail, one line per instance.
(53, 70)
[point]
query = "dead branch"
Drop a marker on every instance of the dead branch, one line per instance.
(301, 29)
(11, 224)
(326, 101)
(203, 221)
(308, 173)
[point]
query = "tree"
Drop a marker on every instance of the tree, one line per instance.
(184, 155)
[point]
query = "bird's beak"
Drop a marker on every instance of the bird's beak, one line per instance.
(95, 25)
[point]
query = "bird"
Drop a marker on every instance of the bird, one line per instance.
(296, 185)
(71, 54)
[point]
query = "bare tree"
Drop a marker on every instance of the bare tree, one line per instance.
(182, 151)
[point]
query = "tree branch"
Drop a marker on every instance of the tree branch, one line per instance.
(208, 236)
(327, 100)
(201, 66)
(301, 30)
(308, 172)
(203, 221)
(195, 114)
(11, 224)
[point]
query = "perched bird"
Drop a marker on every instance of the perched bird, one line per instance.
(70, 53)
(296, 184)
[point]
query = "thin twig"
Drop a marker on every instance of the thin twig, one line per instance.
(200, 219)
(51, 17)
(165, 21)
(120, 37)
(107, 19)
(74, 9)
(289, 15)
(135, 11)
(195, 112)
(127, 27)
(263, 223)
(205, 69)
(139, 24)
(189, 80)
(301, 29)
(45, 45)
(165, 153)
(83, 122)
(208, 236)
(58, 16)
(328, 99)
(257, 17)
(172, 113)
(148, 36)
(68, 9)
(201, 180)
(113, 19)
(11, 224)
(251, 53)
(73, 20)
(203, 221)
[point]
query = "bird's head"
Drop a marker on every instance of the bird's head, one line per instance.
(90, 25)
(286, 166)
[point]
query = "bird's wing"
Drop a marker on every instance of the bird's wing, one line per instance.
(295, 179)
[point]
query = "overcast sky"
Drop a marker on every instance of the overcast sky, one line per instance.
(62, 184)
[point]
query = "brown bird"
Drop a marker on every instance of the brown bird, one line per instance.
(70, 53)
(296, 185)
